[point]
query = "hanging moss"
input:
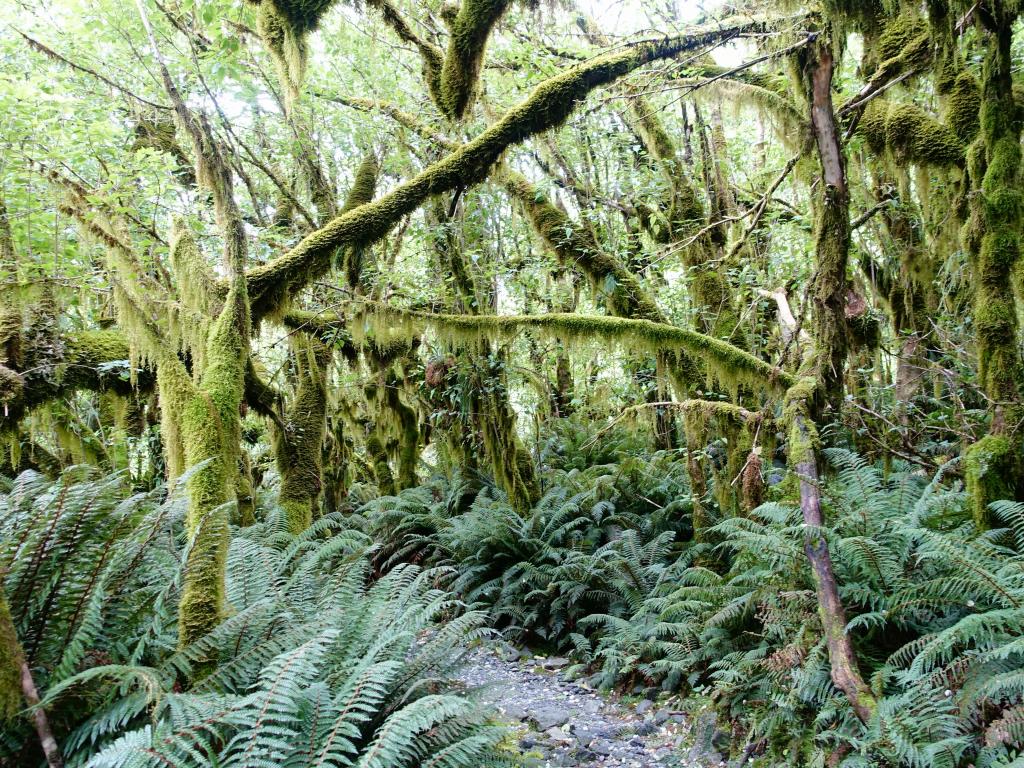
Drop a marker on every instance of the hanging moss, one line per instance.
(548, 106)
(284, 36)
(910, 135)
(381, 468)
(574, 245)
(729, 364)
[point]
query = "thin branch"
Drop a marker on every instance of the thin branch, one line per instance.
(81, 68)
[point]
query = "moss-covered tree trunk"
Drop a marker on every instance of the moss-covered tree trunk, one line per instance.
(995, 465)
(18, 687)
(298, 444)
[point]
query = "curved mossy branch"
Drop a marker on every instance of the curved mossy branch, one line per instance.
(549, 105)
(730, 364)
(460, 72)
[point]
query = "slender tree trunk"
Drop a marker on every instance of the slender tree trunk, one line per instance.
(820, 395)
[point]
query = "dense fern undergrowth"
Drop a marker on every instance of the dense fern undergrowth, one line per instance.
(603, 569)
(340, 641)
(318, 665)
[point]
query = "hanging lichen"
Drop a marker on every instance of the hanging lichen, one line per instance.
(283, 26)
(298, 443)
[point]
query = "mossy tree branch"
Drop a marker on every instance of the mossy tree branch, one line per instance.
(730, 364)
(548, 106)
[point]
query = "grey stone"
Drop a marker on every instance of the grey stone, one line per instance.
(592, 706)
(555, 662)
(644, 706)
(601, 747)
(661, 716)
(548, 717)
(514, 711)
(557, 735)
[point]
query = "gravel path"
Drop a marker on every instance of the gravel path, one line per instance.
(567, 724)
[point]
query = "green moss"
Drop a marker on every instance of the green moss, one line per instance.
(460, 72)
(298, 445)
(364, 186)
(799, 403)
(995, 464)
(548, 106)
(991, 472)
(11, 659)
(381, 468)
(729, 364)
(910, 135)
(963, 108)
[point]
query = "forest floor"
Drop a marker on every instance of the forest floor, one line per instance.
(565, 723)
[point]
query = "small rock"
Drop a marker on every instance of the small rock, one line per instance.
(602, 747)
(548, 717)
(661, 716)
(644, 729)
(514, 711)
(558, 736)
(555, 662)
(644, 706)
